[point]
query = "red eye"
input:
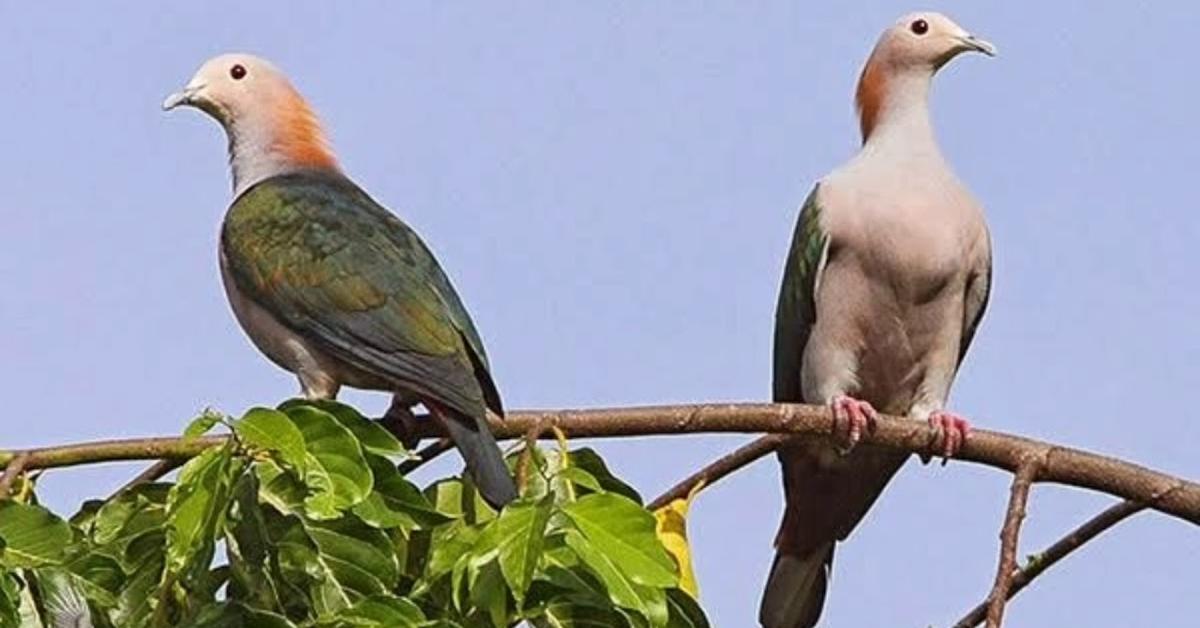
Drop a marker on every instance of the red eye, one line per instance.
(920, 27)
(237, 72)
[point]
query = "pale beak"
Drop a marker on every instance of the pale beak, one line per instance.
(185, 96)
(971, 42)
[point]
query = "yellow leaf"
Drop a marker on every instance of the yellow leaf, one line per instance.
(671, 527)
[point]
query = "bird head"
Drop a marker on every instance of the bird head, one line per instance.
(267, 120)
(915, 47)
(926, 41)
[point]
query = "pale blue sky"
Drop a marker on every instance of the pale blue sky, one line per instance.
(612, 187)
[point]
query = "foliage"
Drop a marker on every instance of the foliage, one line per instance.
(302, 520)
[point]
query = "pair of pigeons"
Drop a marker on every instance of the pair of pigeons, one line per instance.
(884, 286)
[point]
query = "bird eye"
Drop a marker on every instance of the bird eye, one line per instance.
(237, 72)
(920, 27)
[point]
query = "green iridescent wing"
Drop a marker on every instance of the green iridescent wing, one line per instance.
(342, 271)
(796, 311)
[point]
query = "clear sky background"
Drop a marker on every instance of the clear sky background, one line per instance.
(612, 187)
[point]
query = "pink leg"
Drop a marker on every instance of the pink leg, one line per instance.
(950, 431)
(850, 418)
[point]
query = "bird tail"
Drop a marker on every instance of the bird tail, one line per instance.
(795, 591)
(480, 452)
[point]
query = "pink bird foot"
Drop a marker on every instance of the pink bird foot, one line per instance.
(949, 432)
(850, 418)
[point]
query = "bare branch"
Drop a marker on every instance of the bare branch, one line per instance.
(15, 467)
(720, 468)
(1009, 536)
(1062, 465)
(152, 474)
(427, 453)
(1040, 562)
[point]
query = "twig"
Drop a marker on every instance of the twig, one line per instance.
(1039, 563)
(12, 471)
(1062, 465)
(1009, 535)
(152, 474)
(720, 468)
(426, 453)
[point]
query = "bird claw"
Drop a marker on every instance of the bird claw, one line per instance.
(948, 432)
(851, 417)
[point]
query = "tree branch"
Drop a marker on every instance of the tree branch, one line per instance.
(152, 474)
(427, 453)
(720, 468)
(1040, 562)
(1009, 535)
(1062, 465)
(15, 466)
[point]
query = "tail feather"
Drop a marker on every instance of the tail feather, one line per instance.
(481, 453)
(795, 591)
(824, 503)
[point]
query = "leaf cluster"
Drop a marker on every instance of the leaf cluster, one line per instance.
(302, 520)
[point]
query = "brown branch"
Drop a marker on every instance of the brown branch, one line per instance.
(720, 468)
(1062, 465)
(427, 453)
(1009, 535)
(15, 467)
(1040, 562)
(152, 474)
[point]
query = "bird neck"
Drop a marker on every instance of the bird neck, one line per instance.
(280, 140)
(894, 109)
(900, 121)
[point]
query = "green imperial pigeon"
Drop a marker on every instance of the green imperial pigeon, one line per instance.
(327, 282)
(885, 284)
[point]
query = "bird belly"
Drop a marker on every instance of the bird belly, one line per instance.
(873, 336)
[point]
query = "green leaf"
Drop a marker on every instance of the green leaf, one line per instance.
(684, 611)
(195, 511)
(624, 532)
(10, 600)
(396, 502)
(360, 557)
(202, 424)
(254, 577)
(371, 435)
(335, 469)
(563, 614)
(450, 544)
(488, 595)
(300, 564)
(271, 430)
(655, 601)
(379, 611)
(580, 477)
(447, 496)
(237, 615)
(588, 460)
(621, 590)
(132, 513)
(99, 570)
(32, 535)
(138, 596)
(454, 497)
(279, 488)
(518, 536)
(566, 571)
